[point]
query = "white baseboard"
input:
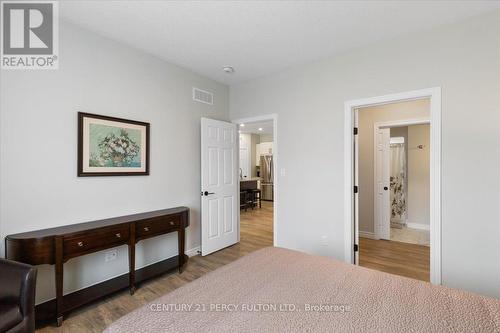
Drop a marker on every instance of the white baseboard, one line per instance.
(193, 252)
(419, 226)
(366, 234)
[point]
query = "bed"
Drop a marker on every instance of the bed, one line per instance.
(280, 290)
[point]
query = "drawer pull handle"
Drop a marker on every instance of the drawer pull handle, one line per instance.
(80, 244)
(171, 222)
(146, 228)
(118, 235)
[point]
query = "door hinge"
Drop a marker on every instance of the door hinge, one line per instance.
(355, 131)
(356, 189)
(356, 248)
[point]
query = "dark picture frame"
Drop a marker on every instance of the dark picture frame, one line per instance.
(110, 146)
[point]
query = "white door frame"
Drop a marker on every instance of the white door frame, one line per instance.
(434, 94)
(274, 118)
(376, 127)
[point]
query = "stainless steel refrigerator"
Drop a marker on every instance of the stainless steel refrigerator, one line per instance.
(267, 177)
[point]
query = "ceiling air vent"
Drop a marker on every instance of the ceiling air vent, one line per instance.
(203, 96)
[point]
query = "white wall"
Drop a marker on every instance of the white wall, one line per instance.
(39, 186)
(419, 179)
(464, 59)
(266, 137)
(245, 155)
(367, 117)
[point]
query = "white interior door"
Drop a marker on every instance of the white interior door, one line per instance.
(219, 185)
(382, 183)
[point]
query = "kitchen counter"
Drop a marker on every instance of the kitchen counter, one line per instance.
(251, 183)
(251, 179)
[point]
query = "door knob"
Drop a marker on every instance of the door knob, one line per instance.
(385, 188)
(208, 193)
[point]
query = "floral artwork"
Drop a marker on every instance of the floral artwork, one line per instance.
(114, 147)
(110, 146)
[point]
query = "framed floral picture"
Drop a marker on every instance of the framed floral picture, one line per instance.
(109, 146)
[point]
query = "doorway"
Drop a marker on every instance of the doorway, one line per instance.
(359, 237)
(401, 176)
(394, 217)
(257, 178)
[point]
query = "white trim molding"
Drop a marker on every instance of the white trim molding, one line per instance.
(434, 94)
(274, 118)
(366, 234)
(403, 123)
(193, 252)
(419, 226)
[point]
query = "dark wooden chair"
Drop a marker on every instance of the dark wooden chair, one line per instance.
(257, 197)
(253, 198)
(244, 200)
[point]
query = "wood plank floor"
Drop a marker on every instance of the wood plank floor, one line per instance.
(410, 260)
(256, 233)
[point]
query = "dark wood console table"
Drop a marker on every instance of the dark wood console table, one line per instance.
(55, 246)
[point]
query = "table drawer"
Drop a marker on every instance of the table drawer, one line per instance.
(95, 240)
(158, 225)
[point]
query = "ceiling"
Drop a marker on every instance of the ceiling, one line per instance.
(259, 37)
(267, 127)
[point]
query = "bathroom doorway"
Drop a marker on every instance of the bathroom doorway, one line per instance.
(423, 260)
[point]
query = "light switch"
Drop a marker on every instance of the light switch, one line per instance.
(282, 172)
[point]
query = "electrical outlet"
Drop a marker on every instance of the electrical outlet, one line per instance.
(111, 255)
(282, 172)
(324, 240)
